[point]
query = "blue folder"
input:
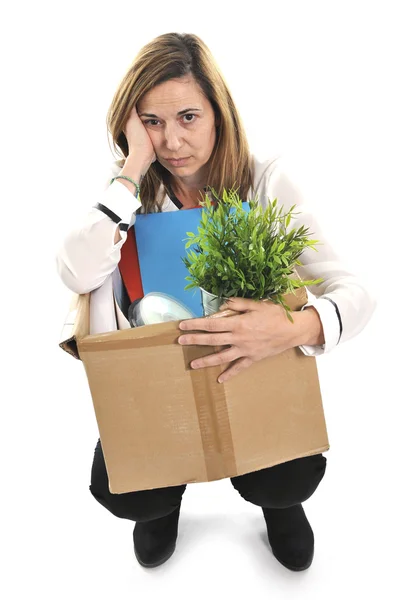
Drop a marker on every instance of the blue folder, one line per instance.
(161, 244)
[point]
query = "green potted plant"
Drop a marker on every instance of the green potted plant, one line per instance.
(245, 253)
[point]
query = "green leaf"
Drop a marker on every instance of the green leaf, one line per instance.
(237, 251)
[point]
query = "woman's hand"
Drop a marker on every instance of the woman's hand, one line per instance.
(262, 330)
(139, 142)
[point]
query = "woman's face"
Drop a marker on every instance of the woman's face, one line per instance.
(180, 122)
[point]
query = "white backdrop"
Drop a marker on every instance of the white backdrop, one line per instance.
(316, 80)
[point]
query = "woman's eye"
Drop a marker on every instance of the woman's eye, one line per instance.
(190, 115)
(155, 121)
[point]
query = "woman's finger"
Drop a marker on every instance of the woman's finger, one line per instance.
(208, 324)
(239, 365)
(225, 356)
(203, 339)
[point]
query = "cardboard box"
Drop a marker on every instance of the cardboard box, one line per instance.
(162, 423)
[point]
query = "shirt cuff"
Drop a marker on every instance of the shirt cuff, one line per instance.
(331, 323)
(118, 203)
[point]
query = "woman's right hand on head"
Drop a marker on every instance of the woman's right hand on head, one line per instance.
(139, 142)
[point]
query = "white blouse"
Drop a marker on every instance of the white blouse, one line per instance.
(87, 256)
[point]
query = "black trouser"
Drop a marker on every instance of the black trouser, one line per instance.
(280, 486)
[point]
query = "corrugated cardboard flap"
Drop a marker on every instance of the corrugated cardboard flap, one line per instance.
(77, 324)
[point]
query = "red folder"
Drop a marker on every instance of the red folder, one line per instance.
(129, 267)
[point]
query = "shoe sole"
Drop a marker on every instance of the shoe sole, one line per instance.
(156, 564)
(293, 567)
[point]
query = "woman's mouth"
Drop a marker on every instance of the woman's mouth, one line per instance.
(179, 162)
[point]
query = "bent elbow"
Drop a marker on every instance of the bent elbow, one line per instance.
(80, 283)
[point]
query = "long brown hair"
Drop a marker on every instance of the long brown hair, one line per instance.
(171, 56)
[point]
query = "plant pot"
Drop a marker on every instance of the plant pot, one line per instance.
(212, 303)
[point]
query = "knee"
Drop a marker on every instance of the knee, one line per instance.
(283, 485)
(99, 485)
(143, 505)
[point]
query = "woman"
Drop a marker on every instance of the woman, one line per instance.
(176, 124)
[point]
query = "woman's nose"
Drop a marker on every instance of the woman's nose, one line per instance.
(172, 139)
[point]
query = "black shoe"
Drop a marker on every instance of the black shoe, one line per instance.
(155, 541)
(290, 536)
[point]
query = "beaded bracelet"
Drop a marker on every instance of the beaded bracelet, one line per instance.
(131, 181)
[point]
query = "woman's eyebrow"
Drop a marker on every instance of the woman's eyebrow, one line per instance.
(181, 112)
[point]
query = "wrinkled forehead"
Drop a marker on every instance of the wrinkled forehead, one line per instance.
(172, 96)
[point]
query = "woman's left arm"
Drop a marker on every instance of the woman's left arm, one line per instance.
(343, 302)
